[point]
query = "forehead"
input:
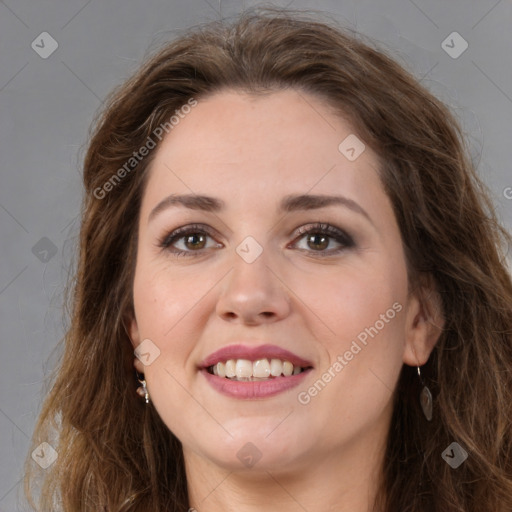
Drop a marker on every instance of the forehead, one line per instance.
(263, 146)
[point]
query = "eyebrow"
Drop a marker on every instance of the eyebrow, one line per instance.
(290, 203)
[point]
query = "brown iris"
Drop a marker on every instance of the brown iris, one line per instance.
(318, 241)
(195, 241)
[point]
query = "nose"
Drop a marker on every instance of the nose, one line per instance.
(253, 294)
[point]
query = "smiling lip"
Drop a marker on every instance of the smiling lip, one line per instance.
(239, 351)
(254, 389)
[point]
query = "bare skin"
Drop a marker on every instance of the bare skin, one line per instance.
(312, 294)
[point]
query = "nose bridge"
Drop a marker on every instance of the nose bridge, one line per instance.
(252, 293)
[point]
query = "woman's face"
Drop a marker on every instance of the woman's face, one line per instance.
(287, 242)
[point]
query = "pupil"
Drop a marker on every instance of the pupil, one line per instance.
(320, 241)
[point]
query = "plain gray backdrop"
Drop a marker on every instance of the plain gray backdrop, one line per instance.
(48, 100)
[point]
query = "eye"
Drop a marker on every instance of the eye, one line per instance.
(188, 239)
(320, 238)
(323, 239)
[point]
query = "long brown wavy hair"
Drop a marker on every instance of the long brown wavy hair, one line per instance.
(114, 452)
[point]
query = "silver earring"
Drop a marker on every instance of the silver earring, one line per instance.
(426, 401)
(142, 390)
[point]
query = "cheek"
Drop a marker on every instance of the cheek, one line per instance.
(162, 298)
(159, 305)
(172, 308)
(359, 320)
(163, 307)
(350, 298)
(353, 387)
(361, 325)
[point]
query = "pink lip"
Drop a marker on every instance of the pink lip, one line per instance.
(254, 389)
(239, 351)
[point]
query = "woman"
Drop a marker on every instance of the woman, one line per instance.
(291, 292)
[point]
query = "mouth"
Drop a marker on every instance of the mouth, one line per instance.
(241, 371)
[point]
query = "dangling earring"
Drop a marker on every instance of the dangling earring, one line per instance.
(142, 390)
(425, 398)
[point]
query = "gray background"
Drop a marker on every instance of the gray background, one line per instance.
(46, 106)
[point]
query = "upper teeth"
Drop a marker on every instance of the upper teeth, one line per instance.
(262, 368)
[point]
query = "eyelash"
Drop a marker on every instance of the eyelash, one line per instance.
(319, 228)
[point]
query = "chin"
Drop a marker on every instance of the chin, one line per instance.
(258, 448)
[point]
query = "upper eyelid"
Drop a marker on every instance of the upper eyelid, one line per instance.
(303, 229)
(182, 231)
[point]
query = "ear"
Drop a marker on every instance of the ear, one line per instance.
(424, 322)
(132, 329)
